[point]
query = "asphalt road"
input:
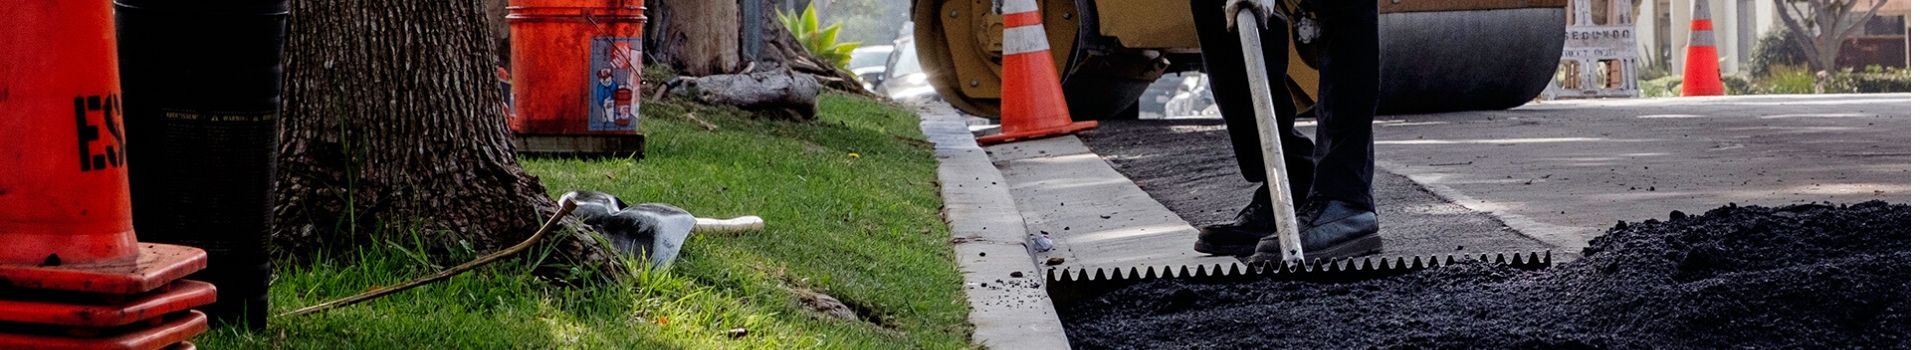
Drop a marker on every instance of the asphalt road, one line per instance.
(1186, 165)
(1561, 172)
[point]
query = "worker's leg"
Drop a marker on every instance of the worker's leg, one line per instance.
(1227, 76)
(1349, 91)
(1339, 214)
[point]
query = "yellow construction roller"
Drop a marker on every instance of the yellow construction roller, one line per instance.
(1436, 55)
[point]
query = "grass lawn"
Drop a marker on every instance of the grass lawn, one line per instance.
(852, 210)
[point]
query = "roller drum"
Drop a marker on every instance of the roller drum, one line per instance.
(1433, 62)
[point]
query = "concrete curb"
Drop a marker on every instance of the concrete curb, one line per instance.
(1006, 294)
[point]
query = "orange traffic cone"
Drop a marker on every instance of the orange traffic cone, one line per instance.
(72, 275)
(1031, 104)
(1703, 61)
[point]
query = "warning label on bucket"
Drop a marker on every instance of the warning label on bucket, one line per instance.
(614, 105)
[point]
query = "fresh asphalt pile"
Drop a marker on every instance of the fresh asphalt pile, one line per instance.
(1798, 276)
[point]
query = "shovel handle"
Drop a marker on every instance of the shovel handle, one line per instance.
(1254, 54)
(739, 224)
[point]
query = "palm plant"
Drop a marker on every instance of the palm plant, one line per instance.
(821, 42)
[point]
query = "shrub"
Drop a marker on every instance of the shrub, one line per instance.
(1775, 49)
(1660, 87)
(1877, 80)
(1789, 80)
(1878, 84)
(1737, 85)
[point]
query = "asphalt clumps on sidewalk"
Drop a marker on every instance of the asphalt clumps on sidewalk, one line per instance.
(1798, 276)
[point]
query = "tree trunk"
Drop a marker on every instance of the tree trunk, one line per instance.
(784, 95)
(392, 128)
(496, 20)
(737, 34)
(697, 38)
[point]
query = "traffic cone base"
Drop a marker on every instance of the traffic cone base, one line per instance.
(155, 266)
(169, 331)
(1703, 78)
(111, 310)
(1005, 137)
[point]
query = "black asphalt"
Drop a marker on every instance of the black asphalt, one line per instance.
(1187, 165)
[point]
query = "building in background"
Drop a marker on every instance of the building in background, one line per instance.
(1883, 41)
(1662, 29)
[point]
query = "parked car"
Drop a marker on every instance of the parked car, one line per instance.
(1193, 97)
(870, 64)
(904, 79)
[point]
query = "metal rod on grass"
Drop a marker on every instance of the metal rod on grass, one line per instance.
(566, 207)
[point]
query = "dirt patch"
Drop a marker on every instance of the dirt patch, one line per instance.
(826, 305)
(831, 307)
(1801, 276)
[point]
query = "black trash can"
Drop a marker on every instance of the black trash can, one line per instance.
(201, 85)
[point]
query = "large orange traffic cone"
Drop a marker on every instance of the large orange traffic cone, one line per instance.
(1031, 104)
(1703, 61)
(72, 275)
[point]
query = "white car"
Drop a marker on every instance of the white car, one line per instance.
(904, 79)
(869, 63)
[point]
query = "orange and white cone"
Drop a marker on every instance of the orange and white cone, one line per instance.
(1031, 103)
(1703, 61)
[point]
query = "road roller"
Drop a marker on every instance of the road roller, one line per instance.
(1436, 55)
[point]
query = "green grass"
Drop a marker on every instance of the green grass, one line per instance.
(852, 211)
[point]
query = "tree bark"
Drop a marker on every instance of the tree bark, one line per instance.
(786, 95)
(392, 128)
(697, 38)
(737, 37)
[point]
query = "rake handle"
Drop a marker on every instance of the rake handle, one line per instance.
(1254, 53)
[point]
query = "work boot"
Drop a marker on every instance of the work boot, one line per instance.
(1331, 230)
(1238, 238)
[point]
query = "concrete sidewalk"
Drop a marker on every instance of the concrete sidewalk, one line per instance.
(1009, 306)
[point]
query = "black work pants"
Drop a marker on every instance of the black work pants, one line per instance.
(1340, 165)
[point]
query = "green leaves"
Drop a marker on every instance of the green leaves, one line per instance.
(823, 43)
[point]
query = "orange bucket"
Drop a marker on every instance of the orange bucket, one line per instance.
(576, 67)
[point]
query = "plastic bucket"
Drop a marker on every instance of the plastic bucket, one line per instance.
(576, 66)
